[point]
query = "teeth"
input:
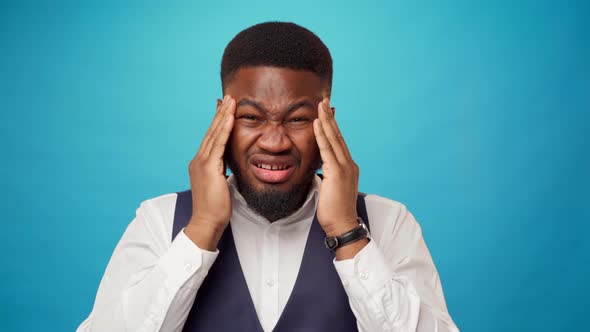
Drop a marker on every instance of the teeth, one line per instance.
(272, 167)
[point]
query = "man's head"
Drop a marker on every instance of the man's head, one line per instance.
(277, 73)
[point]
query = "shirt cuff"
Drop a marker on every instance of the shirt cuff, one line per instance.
(184, 259)
(365, 273)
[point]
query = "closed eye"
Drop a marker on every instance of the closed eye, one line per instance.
(249, 117)
(298, 120)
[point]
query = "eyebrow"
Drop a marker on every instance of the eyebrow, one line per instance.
(289, 109)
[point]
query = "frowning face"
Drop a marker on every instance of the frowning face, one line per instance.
(272, 149)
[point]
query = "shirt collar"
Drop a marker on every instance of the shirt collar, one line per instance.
(306, 210)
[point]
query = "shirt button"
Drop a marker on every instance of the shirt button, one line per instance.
(188, 267)
(270, 282)
(364, 275)
(345, 283)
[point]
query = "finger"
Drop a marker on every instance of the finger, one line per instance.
(214, 123)
(326, 151)
(222, 128)
(339, 133)
(220, 141)
(215, 130)
(332, 132)
(334, 124)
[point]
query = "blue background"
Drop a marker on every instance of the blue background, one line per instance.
(473, 114)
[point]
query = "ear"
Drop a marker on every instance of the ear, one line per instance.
(219, 101)
(333, 110)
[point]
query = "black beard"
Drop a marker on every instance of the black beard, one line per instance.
(271, 203)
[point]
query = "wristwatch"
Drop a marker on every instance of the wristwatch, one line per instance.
(349, 237)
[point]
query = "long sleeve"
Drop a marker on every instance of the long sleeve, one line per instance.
(392, 283)
(150, 282)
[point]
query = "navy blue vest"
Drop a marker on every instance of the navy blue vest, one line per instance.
(317, 303)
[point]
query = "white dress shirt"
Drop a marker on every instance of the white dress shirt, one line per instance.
(151, 281)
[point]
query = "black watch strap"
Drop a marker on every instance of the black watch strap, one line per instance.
(349, 237)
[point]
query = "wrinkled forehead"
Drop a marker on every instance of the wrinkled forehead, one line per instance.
(276, 88)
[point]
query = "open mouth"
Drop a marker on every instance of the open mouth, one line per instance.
(273, 167)
(272, 172)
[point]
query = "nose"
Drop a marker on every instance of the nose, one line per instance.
(274, 139)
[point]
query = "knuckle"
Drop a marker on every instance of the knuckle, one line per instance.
(200, 161)
(349, 170)
(350, 167)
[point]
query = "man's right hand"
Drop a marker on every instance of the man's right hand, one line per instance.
(211, 198)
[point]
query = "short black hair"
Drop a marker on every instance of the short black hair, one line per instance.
(276, 44)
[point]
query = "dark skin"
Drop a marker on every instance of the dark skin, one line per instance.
(274, 118)
(274, 115)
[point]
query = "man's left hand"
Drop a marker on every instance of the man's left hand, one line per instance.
(336, 210)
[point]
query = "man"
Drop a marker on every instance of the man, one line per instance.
(248, 253)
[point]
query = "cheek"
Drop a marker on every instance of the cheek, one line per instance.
(307, 146)
(240, 142)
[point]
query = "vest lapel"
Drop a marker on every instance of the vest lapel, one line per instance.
(318, 301)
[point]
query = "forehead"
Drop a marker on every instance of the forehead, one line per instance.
(276, 86)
